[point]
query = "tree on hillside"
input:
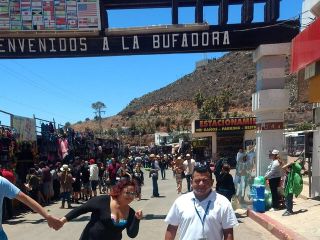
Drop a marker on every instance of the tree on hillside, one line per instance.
(226, 99)
(158, 123)
(67, 124)
(112, 133)
(212, 108)
(168, 124)
(149, 127)
(132, 128)
(98, 106)
(120, 131)
(186, 124)
(199, 99)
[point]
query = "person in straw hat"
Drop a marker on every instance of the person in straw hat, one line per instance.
(273, 174)
(66, 181)
(154, 174)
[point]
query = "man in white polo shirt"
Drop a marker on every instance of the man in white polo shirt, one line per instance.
(201, 214)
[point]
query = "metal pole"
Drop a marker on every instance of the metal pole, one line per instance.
(309, 175)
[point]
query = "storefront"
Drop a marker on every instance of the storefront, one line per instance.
(222, 137)
(305, 62)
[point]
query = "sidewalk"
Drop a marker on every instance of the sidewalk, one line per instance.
(304, 224)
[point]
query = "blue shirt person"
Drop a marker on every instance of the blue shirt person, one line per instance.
(9, 190)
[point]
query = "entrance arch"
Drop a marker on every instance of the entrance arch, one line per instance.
(174, 38)
(87, 33)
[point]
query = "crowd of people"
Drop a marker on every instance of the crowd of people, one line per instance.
(115, 183)
(72, 183)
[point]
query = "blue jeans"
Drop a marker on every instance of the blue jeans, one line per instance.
(163, 173)
(3, 235)
(155, 191)
(65, 196)
(188, 177)
(289, 202)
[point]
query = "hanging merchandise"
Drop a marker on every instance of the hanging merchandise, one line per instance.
(7, 144)
(47, 142)
(25, 158)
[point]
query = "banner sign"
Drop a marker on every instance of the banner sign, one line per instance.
(213, 39)
(225, 124)
(39, 15)
(270, 126)
(25, 127)
(305, 49)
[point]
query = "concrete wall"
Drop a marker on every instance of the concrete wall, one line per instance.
(315, 186)
(249, 135)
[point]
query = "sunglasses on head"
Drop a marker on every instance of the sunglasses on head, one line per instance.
(201, 166)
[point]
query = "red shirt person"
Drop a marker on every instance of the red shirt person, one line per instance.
(9, 175)
(7, 202)
(112, 170)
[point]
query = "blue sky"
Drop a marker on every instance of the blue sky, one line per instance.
(64, 89)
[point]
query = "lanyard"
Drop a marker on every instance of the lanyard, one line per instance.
(205, 213)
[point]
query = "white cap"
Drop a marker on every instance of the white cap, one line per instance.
(188, 155)
(275, 151)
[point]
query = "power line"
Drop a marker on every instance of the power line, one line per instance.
(30, 81)
(57, 87)
(29, 106)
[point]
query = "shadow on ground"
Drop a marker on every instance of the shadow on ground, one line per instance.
(81, 219)
(153, 216)
(300, 211)
(17, 221)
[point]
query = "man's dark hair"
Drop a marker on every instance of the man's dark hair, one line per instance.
(202, 169)
(226, 167)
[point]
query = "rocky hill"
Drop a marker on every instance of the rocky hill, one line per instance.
(173, 105)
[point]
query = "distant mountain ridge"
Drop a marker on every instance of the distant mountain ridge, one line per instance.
(235, 71)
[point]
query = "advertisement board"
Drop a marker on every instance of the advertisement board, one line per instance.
(25, 128)
(49, 15)
(225, 124)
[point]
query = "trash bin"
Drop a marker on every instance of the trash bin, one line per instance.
(259, 205)
(260, 191)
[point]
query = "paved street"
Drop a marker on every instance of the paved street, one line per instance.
(30, 226)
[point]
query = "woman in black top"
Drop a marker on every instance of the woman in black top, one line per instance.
(110, 214)
(225, 185)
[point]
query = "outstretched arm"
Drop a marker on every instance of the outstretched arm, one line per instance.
(171, 232)
(52, 221)
(134, 220)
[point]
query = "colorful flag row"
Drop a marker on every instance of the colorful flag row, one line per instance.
(49, 14)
